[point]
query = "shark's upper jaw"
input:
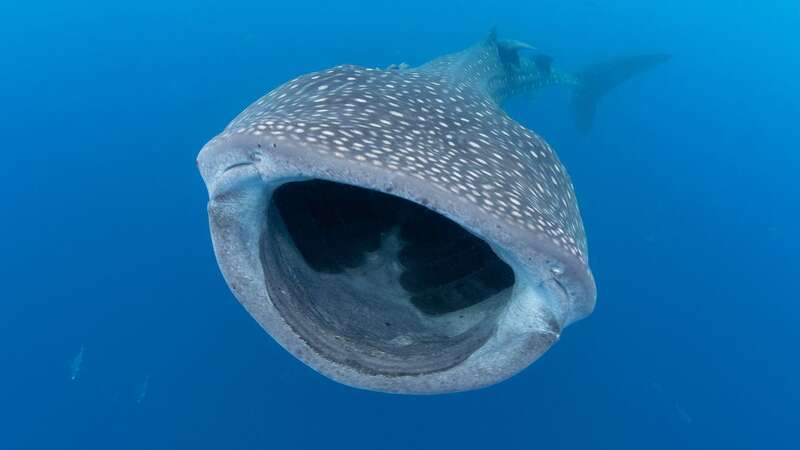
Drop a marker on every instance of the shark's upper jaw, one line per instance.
(340, 232)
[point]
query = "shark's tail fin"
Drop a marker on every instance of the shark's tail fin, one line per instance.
(596, 80)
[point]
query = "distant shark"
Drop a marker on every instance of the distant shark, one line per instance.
(530, 73)
(396, 230)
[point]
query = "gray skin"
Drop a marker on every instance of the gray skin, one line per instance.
(395, 230)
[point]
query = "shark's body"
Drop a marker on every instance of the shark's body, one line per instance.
(395, 229)
(513, 71)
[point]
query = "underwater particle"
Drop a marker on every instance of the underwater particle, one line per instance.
(75, 365)
(682, 414)
(401, 236)
(668, 400)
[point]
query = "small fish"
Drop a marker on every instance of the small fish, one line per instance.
(142, 391)
(75, 366)
(666, 399)
(684, 416)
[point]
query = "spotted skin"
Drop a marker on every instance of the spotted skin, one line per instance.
(484, 67)
(441, 122)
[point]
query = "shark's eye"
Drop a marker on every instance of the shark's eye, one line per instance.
(379, 283)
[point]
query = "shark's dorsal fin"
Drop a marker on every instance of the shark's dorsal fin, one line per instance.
(509, 50)
(512, 44)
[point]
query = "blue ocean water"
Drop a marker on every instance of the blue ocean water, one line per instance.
(687, 184)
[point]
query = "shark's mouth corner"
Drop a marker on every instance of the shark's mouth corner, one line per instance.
(378, 284)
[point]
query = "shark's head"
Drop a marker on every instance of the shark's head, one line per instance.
(396, 231)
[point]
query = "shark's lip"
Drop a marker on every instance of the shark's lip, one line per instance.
(240, 178)
(224, 165)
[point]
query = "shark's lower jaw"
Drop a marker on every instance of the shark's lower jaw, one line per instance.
(373, 290)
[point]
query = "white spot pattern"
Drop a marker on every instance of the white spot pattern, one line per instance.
(432, 126)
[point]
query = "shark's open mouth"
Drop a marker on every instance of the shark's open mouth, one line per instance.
(378, 283)
(384, 284)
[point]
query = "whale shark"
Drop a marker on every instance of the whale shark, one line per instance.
(395, 230)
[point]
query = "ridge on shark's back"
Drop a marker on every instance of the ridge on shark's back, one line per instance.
(397, 231)
(515, 73)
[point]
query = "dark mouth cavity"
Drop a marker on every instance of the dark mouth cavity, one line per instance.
(377, 282)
